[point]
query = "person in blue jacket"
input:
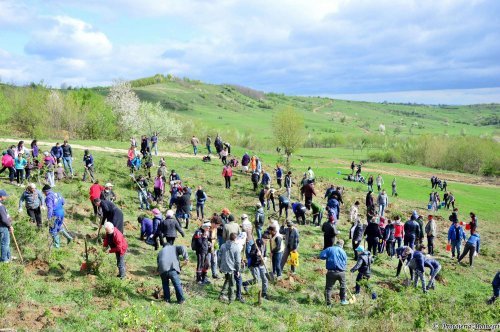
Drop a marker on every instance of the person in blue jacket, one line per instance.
(57, 152)
(417, 264)
(334, 206)
(201, 198)
(496, 288)
(455, 236)
(55, 209)
(336, 263)
(471, 247)
(434, 268)
(300, 212)
(266, 179)
(279, 175)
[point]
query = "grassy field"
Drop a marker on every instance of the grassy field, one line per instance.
(216, 106)
(50, 293)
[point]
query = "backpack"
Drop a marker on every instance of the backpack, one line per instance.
(193, 241)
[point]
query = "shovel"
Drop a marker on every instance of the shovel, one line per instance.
(17, 247)
(352, 297)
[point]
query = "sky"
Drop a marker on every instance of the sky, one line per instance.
(425, 51)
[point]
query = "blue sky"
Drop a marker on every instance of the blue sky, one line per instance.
(444, 51)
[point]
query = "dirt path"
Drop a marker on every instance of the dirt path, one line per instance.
(462, 178)
(316, 109)
(105, 149)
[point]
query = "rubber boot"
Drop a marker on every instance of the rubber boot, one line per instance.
(204, 278)
(492, 300)
(198, 277)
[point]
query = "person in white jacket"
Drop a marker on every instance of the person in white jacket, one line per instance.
(354, 212)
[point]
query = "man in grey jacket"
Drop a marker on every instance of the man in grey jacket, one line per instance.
(229, 261)
(169, 269)
(33, 200)
(5, 229)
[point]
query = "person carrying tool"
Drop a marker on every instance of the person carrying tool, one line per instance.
(363, 266)
(257, 268)
(55, 210)
(336, 262)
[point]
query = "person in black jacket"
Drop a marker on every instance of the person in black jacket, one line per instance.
(363, 266)
(284, 204)
(257, 267)
(390, 240)
(370, 206)
(411, 231)
(67, 157)
(167, 230)
(373, 235)
(200, 244)
(255, 179)
(183, 204)
(111, 213)
(356, 233)
(330, 232)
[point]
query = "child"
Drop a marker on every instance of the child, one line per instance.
(49, 164)
(20, 164)
(29, 167)
(60, 173)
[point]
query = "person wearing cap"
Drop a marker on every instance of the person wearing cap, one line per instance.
(230, 227)
(33, 202)
(55, 209)
(110, 213)
(417, 265)
(299, 211)
(167, 230)
(117, 244)
(259, 219)
(5, 228)
(471, 247)
(67, 156)
(170, 270)
(201, 198)
(411, 231)
(363, 266)
(200, 244)
(336, 263)
(88, 165)
(291, 240)
(430, 230)
(95, 191)
(434, 268)
(456, 235)
(108, 194)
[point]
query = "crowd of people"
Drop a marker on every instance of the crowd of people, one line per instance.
(226, 248)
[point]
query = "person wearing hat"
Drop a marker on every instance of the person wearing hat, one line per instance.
(5, 228)
(259, 219)
(167, 229)
(336, 263)
(200, 244)
(363, 266)
(111, 213)
(157, 219)
(67, 156)
(33, 202)
(417, 265)
(411, 231)
(330, 232)
(230, 227)
(291, 239)
(88, 165)
(118, 245)
(55, 209)
(108, 194)
(456, 235)
(430, 230)
(170, 270)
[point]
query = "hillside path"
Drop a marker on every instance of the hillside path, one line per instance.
(316, 109)
(105, 149)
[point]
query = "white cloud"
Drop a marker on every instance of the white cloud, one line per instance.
(67, 37)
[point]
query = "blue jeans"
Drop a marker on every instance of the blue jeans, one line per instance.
(155, 148)
(399, 240)
(120, 263)
(239, 284)
(67, 164)
(143, 200)
(456, 245)
(5, 244)
(199, 210)
(382, 209)
(259, 232)
(276, 260)
(176, 281)
(195, 150)
(410, 241)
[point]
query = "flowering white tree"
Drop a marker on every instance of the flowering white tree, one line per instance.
(125, 104)
(154, 118)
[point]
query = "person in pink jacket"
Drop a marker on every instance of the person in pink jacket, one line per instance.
(227, 173)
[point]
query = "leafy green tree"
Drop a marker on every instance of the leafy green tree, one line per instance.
(289, 131)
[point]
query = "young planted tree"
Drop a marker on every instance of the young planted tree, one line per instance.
(289, 131)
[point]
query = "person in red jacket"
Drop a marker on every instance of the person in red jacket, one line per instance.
(115, 240)
(398, 231)
(95, 192)
(227, 173)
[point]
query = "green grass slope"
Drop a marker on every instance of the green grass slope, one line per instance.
(49, 292)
